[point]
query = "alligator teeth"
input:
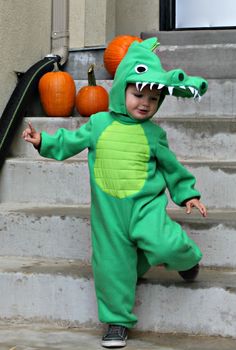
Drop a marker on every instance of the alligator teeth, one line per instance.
(137, 86)
(192, 89)
(195, 93)
(143, 85)
(199, 98)
(170, 89)
(151, 85)
(183, 87)
(160, 86)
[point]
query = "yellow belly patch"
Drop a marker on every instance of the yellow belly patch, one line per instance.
(122, 154)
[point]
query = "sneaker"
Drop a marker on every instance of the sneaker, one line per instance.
(115, 337)
(191, 274)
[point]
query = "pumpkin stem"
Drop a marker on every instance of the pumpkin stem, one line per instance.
(91, 76)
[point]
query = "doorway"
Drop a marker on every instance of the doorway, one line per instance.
(200, 14)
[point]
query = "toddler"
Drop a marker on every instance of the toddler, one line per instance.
(131, 166)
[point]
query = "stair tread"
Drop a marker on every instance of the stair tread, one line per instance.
(83, 211)
(195, 162)
(208, 277)
(35, 336)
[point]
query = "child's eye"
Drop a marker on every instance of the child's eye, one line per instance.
(138, 95)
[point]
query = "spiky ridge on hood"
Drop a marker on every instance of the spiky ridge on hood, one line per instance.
(142, 66)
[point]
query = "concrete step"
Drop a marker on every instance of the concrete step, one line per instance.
(195, 51)
(20, 148)
(201, 138)
(215, 181)
(35, 337)
(193, 37)
(188, 137)
(54, 231)
(45, 179)
(62, 292)
(79, 61)
(219, 101)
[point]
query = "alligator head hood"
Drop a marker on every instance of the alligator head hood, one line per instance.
(142, 66)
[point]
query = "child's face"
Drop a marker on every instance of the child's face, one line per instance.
(141, 105)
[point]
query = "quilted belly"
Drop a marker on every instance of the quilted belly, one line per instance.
(121, 164)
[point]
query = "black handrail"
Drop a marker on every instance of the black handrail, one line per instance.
(15, 109)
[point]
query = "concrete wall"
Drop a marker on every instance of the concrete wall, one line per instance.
(96, 22)
(136, 16)
(77, 23)
(25, 28)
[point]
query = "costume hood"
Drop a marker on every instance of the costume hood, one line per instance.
(142, 66)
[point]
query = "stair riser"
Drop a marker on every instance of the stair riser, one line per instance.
(50, 237)
(197, 60)
(186, 310)
(45, 182)
(20, 148)
(72, 301)
(193, 37)
(207, 139)
(216, 185)
(220, 100)
(68, 237)
(187, 138)
(68, 183)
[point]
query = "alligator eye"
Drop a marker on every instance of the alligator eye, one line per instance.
(141, 68)
(203, 86)
(181, 76)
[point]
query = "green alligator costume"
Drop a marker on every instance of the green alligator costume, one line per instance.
(130, 168)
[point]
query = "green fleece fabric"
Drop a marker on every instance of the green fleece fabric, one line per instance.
(131, 166)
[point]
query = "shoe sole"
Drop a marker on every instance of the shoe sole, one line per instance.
(113, 343)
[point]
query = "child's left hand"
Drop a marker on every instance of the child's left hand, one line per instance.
(197, 204)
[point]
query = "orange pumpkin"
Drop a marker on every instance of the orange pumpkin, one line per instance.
(116, 50)
(92, 98)
(57, 93)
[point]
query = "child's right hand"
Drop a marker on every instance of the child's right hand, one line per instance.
(31, 135)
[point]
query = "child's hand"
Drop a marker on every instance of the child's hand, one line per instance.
(31, 135)
(197, 204)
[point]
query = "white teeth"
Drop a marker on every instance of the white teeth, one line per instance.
(195, 93)
(192, 89)
(137, 86)
(170, 89)
(160, 86)
(143, 85)
(151, 85)
(183, 87)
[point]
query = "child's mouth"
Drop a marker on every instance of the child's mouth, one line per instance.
(143, 111)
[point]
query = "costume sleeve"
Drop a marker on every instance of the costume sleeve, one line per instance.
(65, 143)
(180, 182)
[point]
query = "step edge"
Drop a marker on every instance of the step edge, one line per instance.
(208, 277)
(83, 211)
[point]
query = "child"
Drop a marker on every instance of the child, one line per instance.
(130, 167)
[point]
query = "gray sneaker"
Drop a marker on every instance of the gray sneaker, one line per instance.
(115, 337)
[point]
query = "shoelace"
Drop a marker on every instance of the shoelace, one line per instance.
(113, 329)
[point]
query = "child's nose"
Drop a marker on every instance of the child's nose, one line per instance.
(145, 101)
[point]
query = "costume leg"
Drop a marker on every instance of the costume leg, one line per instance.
(114, 264)
(142, 264)
(162, 239)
